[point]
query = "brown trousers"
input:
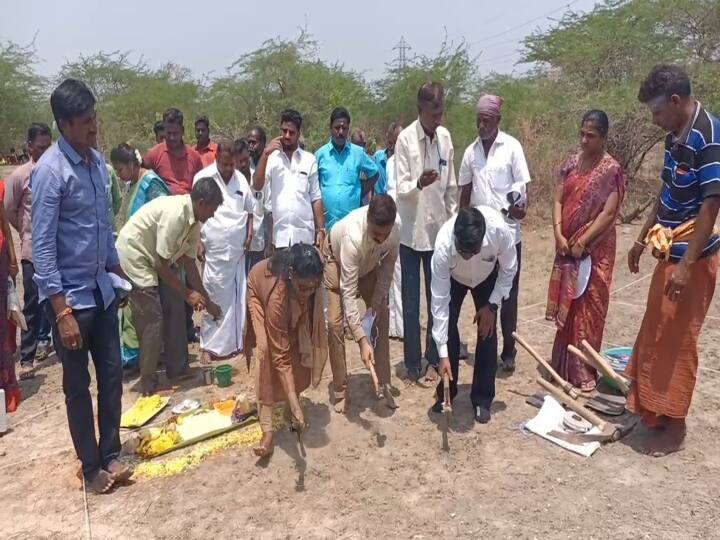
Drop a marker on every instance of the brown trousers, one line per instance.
(335, 317)
(159, 319)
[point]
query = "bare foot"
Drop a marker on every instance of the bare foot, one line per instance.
(119, 471)
(101, 483)
(431, 375)
(266, 446)
(661, 443)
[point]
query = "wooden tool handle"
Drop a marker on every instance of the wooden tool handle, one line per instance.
(606, 369)
(572, 349)
(566, 386)
(447, 406)
(588, 415)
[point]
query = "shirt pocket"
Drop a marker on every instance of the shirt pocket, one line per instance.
(499, 177)
(302, 183)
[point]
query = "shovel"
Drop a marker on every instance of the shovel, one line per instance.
(447, 410)
(568, 388)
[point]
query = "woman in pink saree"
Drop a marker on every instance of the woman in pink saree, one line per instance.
(588, 196)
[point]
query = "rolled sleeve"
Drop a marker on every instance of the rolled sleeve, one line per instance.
(47, 196)
(314, 183)
(507, 263)
(440, 301)
(465, 176)
(405, 184)
(520, 171)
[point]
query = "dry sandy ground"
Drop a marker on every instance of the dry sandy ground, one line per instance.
(377, 474)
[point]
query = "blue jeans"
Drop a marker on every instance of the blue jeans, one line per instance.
(410, 261)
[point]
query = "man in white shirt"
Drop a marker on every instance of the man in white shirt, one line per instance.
(224, 238)
(426, 198)
(360, 254)
(293, 188)
(494, 173)
(244, 163)
(474, 251)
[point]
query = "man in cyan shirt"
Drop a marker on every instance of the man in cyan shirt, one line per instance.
(340, 164)
(174, 161)
(73, 252)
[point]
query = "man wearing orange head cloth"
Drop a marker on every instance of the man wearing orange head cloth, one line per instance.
(494, 173)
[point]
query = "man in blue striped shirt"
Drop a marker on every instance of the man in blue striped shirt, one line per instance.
(682, 236)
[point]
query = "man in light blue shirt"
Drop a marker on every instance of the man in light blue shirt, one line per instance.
(381, 156)
(339, 166)
(73, 251)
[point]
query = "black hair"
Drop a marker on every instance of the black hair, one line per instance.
(203, 120)
(38, 128)
(241, 145)
(206, 189)
(291, 115)
(124, 154)
(382, 210)
(225, 145)
(338, 113)
(303, 259)
(430, 92)
(173, 116)
(469, 229)
(71, 99)
(599, 119)
(665, 80)
(261, 133)
(358, 135)
(158, 127)
(392, 127)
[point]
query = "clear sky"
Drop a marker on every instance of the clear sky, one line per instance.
(207, 36)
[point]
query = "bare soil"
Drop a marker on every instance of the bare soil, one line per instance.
(378, 474)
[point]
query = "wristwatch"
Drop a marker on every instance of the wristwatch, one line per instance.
(493, 307)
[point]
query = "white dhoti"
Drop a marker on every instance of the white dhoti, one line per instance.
(224, 282)
(396, 316)
(224, 237)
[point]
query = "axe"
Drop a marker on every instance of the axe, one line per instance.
(568, 388)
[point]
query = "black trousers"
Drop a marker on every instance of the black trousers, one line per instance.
(509, 313)
(410, 261)
(101, 339)
(38, 327)
(482, 391)
(252, 258)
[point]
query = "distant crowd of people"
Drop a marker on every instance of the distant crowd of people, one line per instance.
(288, 254)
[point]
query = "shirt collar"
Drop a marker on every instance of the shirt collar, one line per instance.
(499, 139)
(70, 152)
(189, 210)
(685, 134)
(345, 148)
(167, 150)
(421, 132)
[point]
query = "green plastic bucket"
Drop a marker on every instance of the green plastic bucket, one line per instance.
(223, 375)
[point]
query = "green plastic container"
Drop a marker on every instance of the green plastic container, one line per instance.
(223, 375)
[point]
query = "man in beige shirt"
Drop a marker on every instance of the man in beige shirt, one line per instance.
(426, 199)
(163, 233)
(360, 255)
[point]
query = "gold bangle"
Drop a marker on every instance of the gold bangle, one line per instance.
(64, 313)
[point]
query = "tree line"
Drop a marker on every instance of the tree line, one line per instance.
(590, 60)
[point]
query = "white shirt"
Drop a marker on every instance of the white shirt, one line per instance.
(493, 177)
(498, 247)
(224, 235)
(292, 189)
(422, 212)
(390, 175)
(258, 239)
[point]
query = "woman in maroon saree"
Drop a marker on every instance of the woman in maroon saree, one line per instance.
(587, 201)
